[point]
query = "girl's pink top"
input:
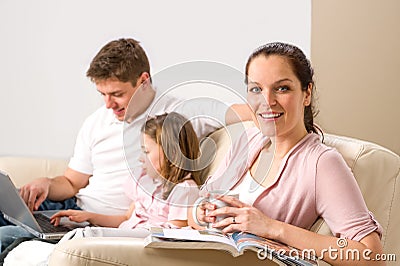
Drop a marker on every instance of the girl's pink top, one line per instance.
(150, 208)
(313, 181)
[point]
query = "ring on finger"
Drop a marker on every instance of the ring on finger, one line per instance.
(233, 219)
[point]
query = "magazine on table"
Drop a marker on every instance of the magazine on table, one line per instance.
(236, 244)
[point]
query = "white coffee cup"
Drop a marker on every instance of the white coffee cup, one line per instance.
(213, 199)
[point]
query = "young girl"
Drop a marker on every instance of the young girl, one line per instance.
(165, 185)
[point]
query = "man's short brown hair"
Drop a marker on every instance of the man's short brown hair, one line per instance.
(123, 59)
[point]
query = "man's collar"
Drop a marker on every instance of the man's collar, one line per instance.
(111, 118)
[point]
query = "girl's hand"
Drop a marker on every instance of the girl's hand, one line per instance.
(73, 215)
(244, 218)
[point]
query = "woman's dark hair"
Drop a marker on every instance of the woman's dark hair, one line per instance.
(301, 67)
(180, 146)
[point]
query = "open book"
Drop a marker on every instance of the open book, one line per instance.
(235, 244)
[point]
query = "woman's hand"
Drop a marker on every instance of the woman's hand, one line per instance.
(244, 218)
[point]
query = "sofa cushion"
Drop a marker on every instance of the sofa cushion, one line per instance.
(130, 251)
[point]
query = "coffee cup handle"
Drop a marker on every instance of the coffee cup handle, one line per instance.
(194, 211)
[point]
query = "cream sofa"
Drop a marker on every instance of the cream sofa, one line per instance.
(375, 168)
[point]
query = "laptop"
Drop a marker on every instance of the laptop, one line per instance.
(37, 223)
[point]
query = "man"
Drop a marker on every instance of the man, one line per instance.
(98, 168)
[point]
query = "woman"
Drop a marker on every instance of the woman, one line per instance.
(289, 178)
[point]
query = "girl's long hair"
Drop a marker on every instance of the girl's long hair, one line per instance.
(180, 146)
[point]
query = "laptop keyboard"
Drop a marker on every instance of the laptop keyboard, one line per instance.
(47, 226)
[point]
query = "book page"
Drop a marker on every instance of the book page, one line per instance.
(279, 250)
(235, 244)
(195, 235)
(244, 240)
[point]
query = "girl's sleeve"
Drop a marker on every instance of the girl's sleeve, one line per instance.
(339, 200)
(181, 198)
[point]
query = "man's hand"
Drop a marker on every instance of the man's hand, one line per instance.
(35, 192)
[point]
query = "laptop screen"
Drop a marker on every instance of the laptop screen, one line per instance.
(13, 205)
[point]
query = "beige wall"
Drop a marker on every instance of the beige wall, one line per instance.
(355, 51)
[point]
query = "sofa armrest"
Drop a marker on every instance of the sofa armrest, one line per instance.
(24, 169)
(131, 251)
(377, 171)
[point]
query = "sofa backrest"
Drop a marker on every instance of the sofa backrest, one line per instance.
(375, 168)
(24, 169)
(215, 146)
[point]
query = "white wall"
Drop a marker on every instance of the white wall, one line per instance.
(46, 47)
